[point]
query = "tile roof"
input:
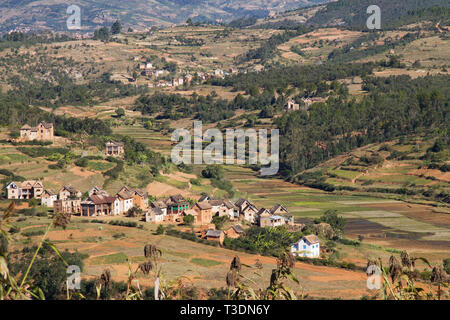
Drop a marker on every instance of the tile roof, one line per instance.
(203, 205)
(204, 197)
(276, 207)
(238, 228)
(229, 204)
(311, 239)
(99, 199)
(215, 202)
(159, 203)
(214, 233)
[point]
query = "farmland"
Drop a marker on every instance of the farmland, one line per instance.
(368, 140)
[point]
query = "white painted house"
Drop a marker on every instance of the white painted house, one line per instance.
(308, 246)
(48, 197)
(155, 215)
(117, 206)
(125, 201)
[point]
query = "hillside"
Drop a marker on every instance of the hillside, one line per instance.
(353, 14)
(367, 143)
(138, 14)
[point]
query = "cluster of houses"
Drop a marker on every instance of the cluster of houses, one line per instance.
(68, 199)
(168, 210)
(148, 70)
(175, 208)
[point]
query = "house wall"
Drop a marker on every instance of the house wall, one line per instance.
(303, 249)
(139, 202)
(127, 204)
(64, 195)
(232, 234)
(13, 193)
(48, 201)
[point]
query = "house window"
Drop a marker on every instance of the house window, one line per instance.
(304, 246)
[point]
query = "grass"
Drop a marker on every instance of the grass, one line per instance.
(205, 262)
(114, 258)
(100, 165)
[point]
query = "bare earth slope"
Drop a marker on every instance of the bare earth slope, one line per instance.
(51, 14)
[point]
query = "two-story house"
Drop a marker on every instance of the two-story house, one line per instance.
(24, 190)
(308, 246)
(48, 197)
(69, 192)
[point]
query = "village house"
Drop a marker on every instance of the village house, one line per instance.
(308, 246)
(215, 235)
(216, 204)
(309, 101)
(154, 215)
(24, 190)
(191, 212)
(241, 204)
(204, 213)
(279, 209)
(69, 192)
(263, 218)
(229, 209)
(291, 105)
(48, 197)
(43, 132)
(97, 191)
(72, 206)
(218, 73)
(161, 205)
(188, 78)
(147, 72)
(123, 202)
(114, 148)
(98, 205)
(140, 197)
(234, 232)
(159, 72)
(249, 213)
(176, 204)
(177, 82)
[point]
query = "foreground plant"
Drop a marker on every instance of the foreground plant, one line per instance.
(240, 289)
(24, 289)
(400, 279)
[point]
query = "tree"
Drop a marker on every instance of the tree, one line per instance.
(120, 112)
(188, 220)
(101, 34)
(160, 229)
(189, 22)
(336, 222)
(116, 28)
(219, 221)
(213, 171)
(134, 212)
(49, 273)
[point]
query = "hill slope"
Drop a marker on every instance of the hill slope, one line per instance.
(352, 13)
(33, 15)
